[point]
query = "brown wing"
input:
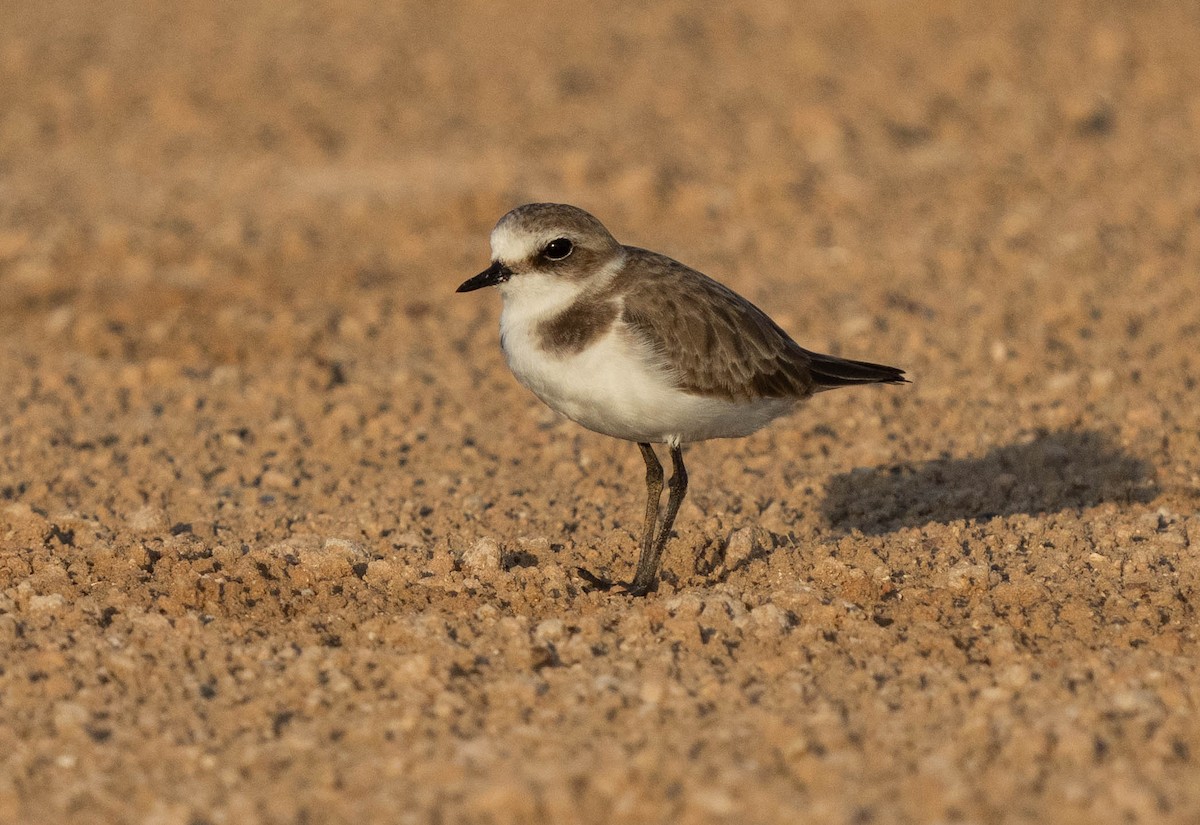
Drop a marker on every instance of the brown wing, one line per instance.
(719, 343)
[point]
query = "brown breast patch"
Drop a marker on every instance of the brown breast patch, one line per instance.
(576, 327)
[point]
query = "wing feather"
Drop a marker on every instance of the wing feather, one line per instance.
(719, 344)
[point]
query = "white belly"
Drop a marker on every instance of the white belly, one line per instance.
(613, 388)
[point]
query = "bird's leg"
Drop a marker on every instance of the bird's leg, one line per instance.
(654, 486)
(646, 576)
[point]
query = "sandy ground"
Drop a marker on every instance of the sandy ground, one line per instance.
(281, 539)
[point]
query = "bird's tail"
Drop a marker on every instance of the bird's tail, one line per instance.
(829, 372)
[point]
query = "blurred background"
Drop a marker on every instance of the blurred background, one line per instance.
(835, 157)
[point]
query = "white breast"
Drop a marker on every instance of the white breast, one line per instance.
(616, 387)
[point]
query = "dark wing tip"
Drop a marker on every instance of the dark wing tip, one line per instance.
(829, 371)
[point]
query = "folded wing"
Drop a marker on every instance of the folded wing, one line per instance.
(720, 345)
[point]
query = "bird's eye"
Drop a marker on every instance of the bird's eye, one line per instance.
(558, 249)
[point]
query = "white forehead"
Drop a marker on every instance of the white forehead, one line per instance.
(512, 242)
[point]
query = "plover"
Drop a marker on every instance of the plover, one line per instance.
(635, 345)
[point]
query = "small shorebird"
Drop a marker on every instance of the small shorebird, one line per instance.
(635, 345)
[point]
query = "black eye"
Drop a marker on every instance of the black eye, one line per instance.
(558, 249)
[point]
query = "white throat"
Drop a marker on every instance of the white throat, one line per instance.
(533, 296)
(536, 296)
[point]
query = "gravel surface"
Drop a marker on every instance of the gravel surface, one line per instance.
(282, 540)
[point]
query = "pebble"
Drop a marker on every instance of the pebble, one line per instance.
(482, 557)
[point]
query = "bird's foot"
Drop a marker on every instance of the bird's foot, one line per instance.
(595, 582)
(635, 589)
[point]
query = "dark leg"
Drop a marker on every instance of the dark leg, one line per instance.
(654, 485)
(647, 570)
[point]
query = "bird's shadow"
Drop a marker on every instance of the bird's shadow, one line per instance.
(1054, 471)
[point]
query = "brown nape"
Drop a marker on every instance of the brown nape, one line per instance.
(576, 327)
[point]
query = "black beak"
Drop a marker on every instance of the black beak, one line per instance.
(497, 273)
